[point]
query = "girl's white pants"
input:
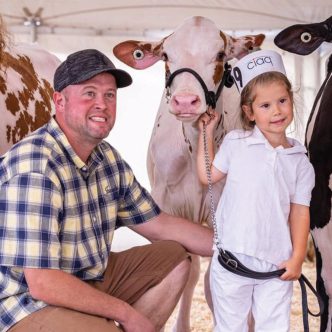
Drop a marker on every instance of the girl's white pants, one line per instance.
(235, 296)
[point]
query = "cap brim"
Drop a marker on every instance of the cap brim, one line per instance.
(122, 78)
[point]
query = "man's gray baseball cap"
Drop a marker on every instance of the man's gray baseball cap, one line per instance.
(83, 65)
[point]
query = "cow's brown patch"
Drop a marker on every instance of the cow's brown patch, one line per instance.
(147, 47)
(8, 132)
(22, 128)
(167, 70)
(42, 115)
(252, 41)
(34, 93)
(223, 37)
(12, 103)
(218, 72)
(46, 93)
(4, 39)
(3, 86)
(157, 49)
(23, 66)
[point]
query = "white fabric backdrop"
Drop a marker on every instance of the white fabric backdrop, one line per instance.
(70, 25)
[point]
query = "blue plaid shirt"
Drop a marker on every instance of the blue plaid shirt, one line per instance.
(56, 212)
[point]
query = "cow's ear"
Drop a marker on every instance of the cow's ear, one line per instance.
(241, 46)
(138, 54)
(300, 39)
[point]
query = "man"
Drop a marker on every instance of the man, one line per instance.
(63, 191)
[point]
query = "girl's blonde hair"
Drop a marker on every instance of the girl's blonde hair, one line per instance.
(248, 93)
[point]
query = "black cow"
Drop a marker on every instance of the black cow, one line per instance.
(303, 39)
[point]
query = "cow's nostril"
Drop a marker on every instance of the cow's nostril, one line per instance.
(195, 101)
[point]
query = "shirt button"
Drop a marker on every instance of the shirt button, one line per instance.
(94, 218)
(84, 168)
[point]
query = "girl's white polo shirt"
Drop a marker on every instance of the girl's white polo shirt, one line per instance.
(262, 181)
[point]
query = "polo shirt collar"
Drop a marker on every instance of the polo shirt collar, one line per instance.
(257, 137)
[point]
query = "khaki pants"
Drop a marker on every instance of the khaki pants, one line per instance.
(129, 274)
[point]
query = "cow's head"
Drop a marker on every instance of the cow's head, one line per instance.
(197, 44)
(303, 39)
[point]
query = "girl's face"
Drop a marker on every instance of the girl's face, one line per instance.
(272, 111)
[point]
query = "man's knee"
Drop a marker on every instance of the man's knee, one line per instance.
(180, 273)
(179, 253)
(172, 248)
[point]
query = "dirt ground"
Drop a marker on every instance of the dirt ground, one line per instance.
(201, 319)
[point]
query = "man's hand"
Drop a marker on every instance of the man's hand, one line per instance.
(61, 289)
(136, 322)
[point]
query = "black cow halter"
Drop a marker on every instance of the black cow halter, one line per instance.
(211, 97)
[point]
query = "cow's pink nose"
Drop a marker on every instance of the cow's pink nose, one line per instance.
(185, 103)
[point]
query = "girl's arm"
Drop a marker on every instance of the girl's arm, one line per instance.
(299, 221)
(210, 119)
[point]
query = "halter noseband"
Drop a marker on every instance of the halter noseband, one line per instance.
(211, 97)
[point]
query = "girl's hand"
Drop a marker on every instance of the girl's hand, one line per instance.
(210, 119)
(293, 268)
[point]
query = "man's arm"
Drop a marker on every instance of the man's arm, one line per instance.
(195, 238)
(61, 289)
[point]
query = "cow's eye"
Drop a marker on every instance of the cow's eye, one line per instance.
(164, 57)
(220, 56)
(306, 37)
(138, 54)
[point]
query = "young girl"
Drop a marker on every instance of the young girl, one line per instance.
(263, 213)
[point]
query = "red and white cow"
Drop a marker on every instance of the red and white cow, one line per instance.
(197, 44)
(26, 76)
(303, 39)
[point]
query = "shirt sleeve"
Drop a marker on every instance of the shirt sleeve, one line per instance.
(305, 182)
(136, 206)
(29, 210)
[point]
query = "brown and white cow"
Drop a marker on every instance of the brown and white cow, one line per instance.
(26, 75)
(303, 39)
(197, 44)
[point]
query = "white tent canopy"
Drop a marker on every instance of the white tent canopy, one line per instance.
(139, 17)
(54, 22)
(64, 26)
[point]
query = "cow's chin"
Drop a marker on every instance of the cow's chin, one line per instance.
(186, 117)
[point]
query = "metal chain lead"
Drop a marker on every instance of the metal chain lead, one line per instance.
(208, 175)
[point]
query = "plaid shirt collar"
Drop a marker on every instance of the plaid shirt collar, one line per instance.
(95, 158)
